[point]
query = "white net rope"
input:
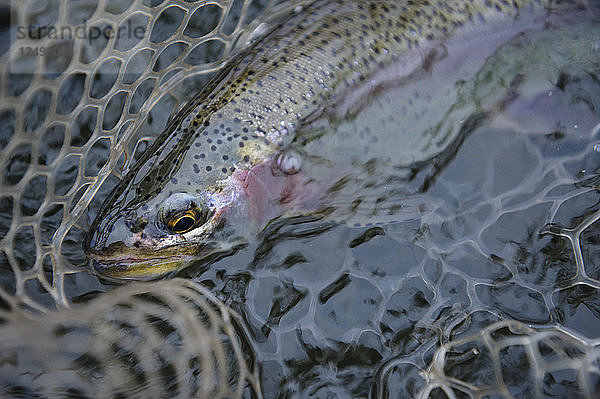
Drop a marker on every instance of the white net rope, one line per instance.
(165, 339)
(506, 359)
(73, 119)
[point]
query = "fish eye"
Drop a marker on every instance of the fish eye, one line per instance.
(181, 213)
(183, 222)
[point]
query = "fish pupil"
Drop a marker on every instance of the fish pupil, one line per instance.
(183, 224)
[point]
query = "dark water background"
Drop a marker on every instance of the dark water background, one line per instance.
(328, 305)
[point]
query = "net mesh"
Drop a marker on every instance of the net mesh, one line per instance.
(74, 119)
(168, 339)
(506, 359)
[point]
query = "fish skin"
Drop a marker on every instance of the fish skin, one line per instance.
(250, 112)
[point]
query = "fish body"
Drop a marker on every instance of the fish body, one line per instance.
(228, 161)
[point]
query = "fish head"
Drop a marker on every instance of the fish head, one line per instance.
(160, 236)
(178, 204)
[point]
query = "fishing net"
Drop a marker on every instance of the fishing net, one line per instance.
(77, 107)
(77, 104)
(504, 360)
(165, 339)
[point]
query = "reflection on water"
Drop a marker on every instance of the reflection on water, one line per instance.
(502, 228)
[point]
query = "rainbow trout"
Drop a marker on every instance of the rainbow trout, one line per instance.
(383, 79)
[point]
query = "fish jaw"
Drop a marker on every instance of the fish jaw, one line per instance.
(123, 261)
(131, 268)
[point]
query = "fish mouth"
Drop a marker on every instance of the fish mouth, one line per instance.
(137, 268)
(120, 262)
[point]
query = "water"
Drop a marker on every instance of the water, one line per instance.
(333, 310)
